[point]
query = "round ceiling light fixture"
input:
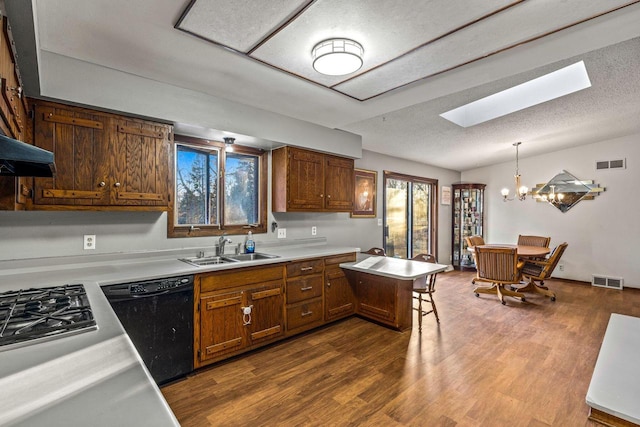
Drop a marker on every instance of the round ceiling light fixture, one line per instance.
(337, 57)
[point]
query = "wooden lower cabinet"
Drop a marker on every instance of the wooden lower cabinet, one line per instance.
(383, 299)
(305, 314)
(244, 308)
(339, 296)
(237, 310)
(304, 295)
(221, 330)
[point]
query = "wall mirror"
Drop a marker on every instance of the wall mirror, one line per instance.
(564, 191)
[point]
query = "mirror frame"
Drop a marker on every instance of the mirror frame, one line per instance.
(564, 191)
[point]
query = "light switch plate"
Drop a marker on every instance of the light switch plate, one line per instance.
(380, 222)
(282, 233)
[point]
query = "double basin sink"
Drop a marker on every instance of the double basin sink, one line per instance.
(211, 260)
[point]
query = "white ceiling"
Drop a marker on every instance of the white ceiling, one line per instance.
(422, 58)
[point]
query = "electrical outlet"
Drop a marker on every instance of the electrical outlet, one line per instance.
(561, 267)
(89, 241)
(282, 233)
(379, 222)
(314, 230)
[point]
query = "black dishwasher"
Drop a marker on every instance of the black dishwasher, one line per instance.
(158, 317)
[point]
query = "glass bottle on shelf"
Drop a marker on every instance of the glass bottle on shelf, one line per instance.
(468, 212)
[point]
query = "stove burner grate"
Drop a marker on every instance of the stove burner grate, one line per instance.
(43, 313)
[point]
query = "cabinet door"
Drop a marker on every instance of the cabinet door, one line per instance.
(339, 297)
(377, 297)
(305, 180)
(267, 312)
(221, 329)
(338, 184)
(78, 140)
(140, 162)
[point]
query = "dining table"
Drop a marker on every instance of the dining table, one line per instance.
(522, 250)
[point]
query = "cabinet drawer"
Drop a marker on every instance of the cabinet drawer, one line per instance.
(304, 313)
(339, 259)
(312, 266)
(303, 287)
(239, 277)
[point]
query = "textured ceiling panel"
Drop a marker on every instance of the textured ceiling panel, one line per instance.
(238, 24)
(403, 41)
(501, 31)
(385, 29)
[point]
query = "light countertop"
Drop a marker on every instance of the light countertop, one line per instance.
(395, 268)
(615, 384)
(96, 377)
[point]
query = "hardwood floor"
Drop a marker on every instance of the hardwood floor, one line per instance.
(485, 364)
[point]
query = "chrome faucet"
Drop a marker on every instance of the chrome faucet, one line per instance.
(221, 242)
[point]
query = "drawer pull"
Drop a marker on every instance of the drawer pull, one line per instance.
(307, 288)
(306, 268)
(308, 313)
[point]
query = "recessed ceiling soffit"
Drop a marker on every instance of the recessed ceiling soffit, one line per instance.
(404, 42)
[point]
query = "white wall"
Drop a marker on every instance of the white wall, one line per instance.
(37, 234)
(602, 233)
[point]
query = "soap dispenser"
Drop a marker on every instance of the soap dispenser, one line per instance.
(249, 245)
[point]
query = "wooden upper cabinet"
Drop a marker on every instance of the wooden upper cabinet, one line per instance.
(338, 180)
(79, 143)
(308, 181)
(140, 162)
(103, 161)
(14, 122)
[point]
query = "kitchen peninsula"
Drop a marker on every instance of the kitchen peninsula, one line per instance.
(384, 286)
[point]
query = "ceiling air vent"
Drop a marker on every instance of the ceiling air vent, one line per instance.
(607, 282)
(612, 164)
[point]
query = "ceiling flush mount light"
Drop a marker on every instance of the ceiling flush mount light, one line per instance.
(228, 142)
(337, 57)
(521, 190)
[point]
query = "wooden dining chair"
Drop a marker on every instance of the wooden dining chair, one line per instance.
(423, 291)
(540, 241)
(499, 266)
(376, 251)
(539, 270)
(474, 241)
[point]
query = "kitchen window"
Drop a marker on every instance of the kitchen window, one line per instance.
(410, 215)
(216, 191)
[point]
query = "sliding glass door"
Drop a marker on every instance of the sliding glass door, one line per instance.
(410, 215)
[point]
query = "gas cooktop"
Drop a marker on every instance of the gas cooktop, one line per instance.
(28, 316)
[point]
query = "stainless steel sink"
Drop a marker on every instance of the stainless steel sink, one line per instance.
(207, 260)
(250, 257)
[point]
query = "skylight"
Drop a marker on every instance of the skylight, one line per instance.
(559, 83)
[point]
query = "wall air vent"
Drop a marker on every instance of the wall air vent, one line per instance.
(607, 282)
(612, 164)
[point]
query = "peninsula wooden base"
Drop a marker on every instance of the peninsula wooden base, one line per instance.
(383, 299)
(609, 420)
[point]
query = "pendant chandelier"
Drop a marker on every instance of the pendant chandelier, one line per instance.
(521, 190)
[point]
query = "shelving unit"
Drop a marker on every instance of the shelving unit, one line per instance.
(468, 220)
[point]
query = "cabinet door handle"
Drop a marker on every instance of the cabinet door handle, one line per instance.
(102, 184)
(306, 268)
(322, 195)
(328, 285)
(308, 313)
(307, 288)
(328, 196)
(117, 184)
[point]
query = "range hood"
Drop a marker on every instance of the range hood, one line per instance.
(20, 159)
